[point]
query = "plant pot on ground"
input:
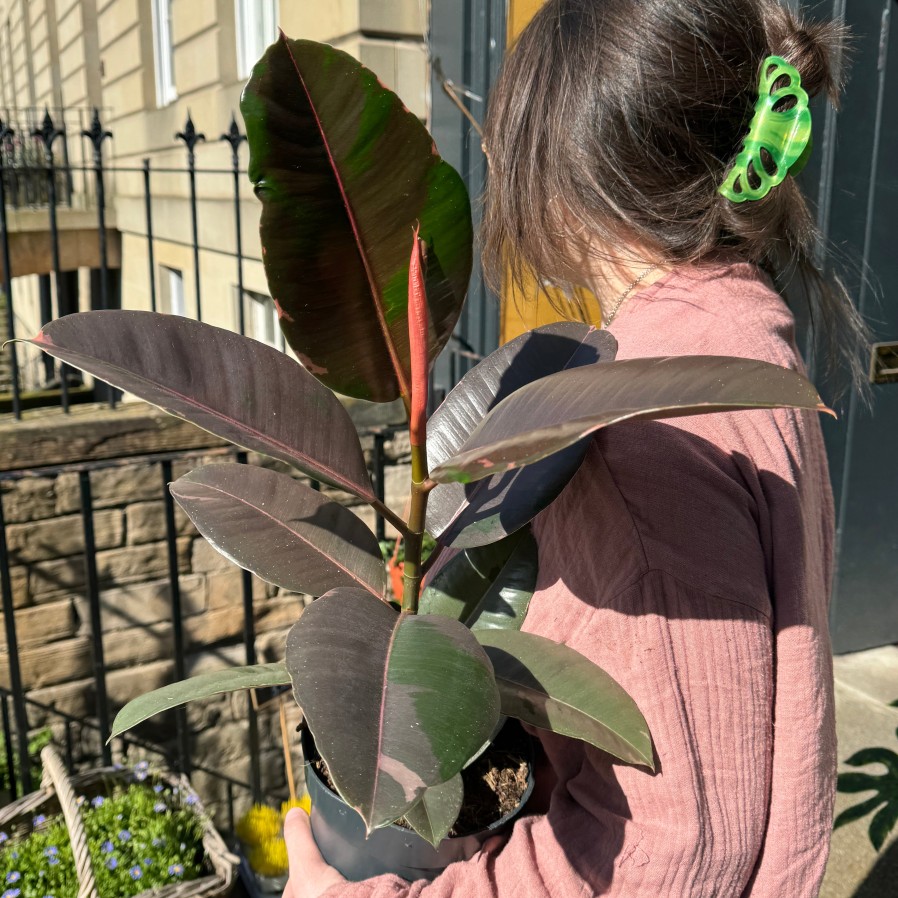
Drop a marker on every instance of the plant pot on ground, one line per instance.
(367, 246)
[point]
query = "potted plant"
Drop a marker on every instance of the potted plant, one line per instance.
(367, 244)
(111, 831)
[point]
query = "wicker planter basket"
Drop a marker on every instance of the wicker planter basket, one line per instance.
(58, 793)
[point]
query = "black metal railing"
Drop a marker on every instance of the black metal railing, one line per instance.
(19, 708)
(47, 178)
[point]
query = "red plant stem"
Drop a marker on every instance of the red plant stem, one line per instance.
(417, 340)
(418, 353)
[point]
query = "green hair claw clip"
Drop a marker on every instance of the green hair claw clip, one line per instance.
(784, 134)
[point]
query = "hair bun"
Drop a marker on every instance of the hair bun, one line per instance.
(816, 49)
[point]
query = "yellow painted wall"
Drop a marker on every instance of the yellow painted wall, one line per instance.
(533, 308)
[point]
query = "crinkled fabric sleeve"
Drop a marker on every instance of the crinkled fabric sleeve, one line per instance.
(700, 667)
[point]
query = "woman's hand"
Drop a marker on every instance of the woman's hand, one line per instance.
(310, 875)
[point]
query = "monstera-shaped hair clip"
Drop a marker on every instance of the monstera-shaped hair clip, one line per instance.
(779, 141)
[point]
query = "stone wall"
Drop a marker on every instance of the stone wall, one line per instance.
(45, 539)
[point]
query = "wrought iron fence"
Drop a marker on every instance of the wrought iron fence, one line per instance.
(37, 171)
(21, 709)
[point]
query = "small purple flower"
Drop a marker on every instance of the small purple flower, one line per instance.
(97, 802)
(176, 870)
(135, 872)
(12, 893)
(41, 818)
(158, 843)
(53, 861)
(112, 863)
(107, 847)
(141, 771)
(52, 851)
(48, 896)
(13, 876)
(15, 855)
(192, 799)
(125, 836)
(158, 788)
(160, 807)
(3, 837)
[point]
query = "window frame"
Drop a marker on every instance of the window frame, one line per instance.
(248, 52)
(164, 53)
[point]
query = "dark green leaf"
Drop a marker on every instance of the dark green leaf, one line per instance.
(487, 587)
(555, 688)
(858, 782)
(885, 786)
(464, 516)
(396, 703)
(433, 816)
(234, 679)
(849, 815)
(883, 823)
(551, 414)
(344, 172)
(883, 756)
(234, 387)
(281, 530)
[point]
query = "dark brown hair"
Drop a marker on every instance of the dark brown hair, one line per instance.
(621, 118)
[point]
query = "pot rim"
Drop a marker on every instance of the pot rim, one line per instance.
(307, 735)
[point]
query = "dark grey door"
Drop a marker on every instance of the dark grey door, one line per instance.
(856, 178)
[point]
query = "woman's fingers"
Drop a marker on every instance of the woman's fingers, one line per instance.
(310, 874)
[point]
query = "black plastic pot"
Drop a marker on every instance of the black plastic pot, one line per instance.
(340, 835)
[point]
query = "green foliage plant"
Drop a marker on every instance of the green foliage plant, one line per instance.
(40, 739)
(367, 245)
(143, 836)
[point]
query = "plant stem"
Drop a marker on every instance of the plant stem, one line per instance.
(391, 517)
(414, 539)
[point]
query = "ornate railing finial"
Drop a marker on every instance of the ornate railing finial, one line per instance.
(233, 136)
(189, 135)
(96, 133)
(47, 133)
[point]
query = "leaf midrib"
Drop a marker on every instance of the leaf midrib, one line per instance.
(350, 214)
(289, 529)
(336, 478)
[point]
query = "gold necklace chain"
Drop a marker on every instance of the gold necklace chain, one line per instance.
(626, 293)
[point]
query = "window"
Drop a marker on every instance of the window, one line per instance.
(257, 27)
(261, 319)
(171, 291)
(162, 52)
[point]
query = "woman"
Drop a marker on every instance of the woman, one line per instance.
(690, 558)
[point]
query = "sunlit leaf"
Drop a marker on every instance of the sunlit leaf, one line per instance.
(551, 414)
(234, 387)
(396, 702)
(553, 687)
(234, 679)
(281, 530)
(345, 172)
(463, 516)
(433, 816)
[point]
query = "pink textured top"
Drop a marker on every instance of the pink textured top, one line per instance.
(691, 559)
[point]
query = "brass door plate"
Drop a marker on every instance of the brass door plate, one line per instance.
(884, 363)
